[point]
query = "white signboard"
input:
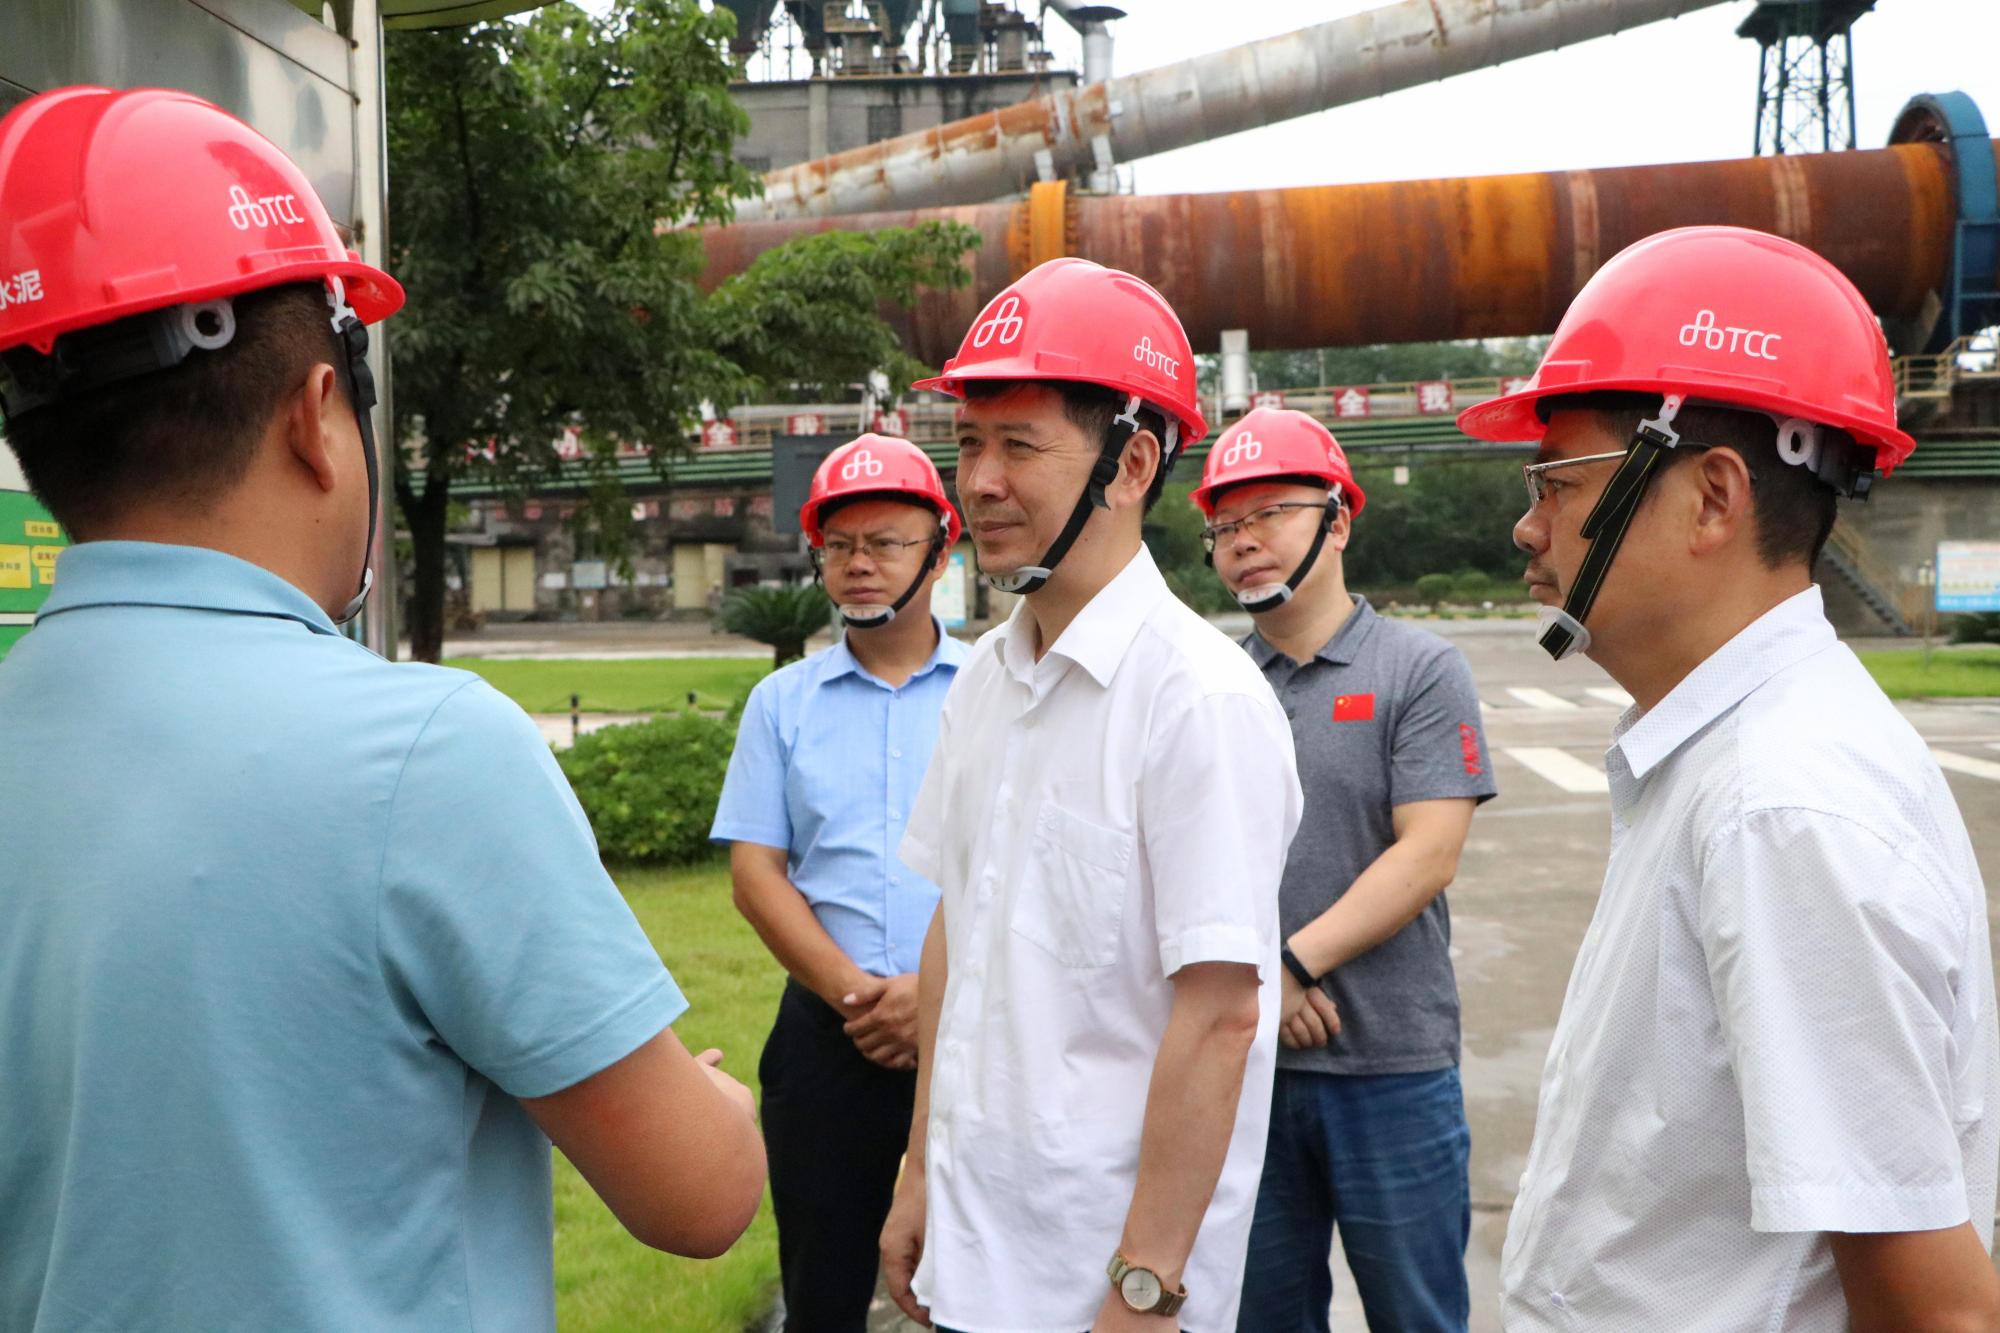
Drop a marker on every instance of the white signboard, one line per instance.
(1968, 576)
(948, 593)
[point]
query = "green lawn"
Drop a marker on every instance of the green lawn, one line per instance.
(606, 1282)
(648, 685)
(1952, 673)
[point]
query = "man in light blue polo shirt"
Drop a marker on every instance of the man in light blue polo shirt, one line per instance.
(829, 756)
(302, 953)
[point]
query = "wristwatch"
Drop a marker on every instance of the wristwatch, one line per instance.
(1141, 1288)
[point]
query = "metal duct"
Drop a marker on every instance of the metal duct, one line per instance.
(1346, 60)
(1413, 261)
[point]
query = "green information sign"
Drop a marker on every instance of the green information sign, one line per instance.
(29, 542)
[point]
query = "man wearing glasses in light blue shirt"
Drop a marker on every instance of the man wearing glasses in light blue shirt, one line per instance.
(829, 756)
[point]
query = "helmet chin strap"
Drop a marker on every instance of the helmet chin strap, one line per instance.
(1270, 596)
(1030, 578)
(858, 615)
(353, 335)
(1562, 629)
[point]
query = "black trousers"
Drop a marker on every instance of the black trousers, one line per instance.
(835, 1127)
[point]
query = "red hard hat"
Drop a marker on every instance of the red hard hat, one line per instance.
(1273, 442)
(116, 203)
(876, 467)
(1723, 315)
(1070, 319)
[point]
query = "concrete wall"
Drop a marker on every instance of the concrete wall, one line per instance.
(1902, 523)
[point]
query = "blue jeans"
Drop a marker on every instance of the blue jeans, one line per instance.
(1386, 1157)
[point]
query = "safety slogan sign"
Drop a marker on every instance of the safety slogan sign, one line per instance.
(1968, 576)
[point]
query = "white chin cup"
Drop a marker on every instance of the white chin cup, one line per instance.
(1548, 617)
(860, 614)
(1015, 580)
(1264, 597)
(353, 608)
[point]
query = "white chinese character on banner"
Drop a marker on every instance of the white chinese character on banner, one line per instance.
(1434, 396)
(1513, 384)
(1351, 403)
(1268, 398)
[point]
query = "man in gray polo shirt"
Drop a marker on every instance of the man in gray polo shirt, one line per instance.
(1367, 1120)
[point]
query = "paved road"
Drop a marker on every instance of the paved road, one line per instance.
(1529, 879)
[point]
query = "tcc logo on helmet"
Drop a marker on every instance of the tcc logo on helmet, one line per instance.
(1245, 448)
(1143, 351)
(860, 464)
(1004, 324)
(263, 210)
(1703, 329)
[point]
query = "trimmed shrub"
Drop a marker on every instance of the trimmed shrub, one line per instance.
(1435, 588)
(650, 788)
(1976, 627)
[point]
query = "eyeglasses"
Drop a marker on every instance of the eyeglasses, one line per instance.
(1258, 524)
(881, 550)
(1540, 487)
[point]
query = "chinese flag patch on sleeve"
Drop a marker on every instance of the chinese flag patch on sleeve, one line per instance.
(1354, 708)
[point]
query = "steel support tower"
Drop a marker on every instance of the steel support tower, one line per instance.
(1805, 73)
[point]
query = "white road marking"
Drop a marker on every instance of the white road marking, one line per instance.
(1965, 763)
(1565, 770)
(1541, 699)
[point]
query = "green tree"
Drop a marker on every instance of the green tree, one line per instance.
(782, 617)
(533, 163)
(1453, 515)
(1173, 535)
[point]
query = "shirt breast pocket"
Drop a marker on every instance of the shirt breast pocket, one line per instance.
(1071, 899)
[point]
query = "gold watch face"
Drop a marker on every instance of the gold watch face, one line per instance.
(1140, 1289)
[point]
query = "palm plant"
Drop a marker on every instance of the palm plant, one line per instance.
(782, 617)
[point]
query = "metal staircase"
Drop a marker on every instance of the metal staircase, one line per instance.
(1847, 555)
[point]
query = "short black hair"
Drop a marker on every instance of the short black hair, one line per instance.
(183, 436)
(1091, 408)
(1793, 509)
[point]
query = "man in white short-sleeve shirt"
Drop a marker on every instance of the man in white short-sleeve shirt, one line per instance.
(1770, 1099)
(1107, 816)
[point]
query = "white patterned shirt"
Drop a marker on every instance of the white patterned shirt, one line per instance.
(1781, 1020)
(1097, 820)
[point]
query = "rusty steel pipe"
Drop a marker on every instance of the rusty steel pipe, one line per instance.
(1415, 261)
(1329, 64)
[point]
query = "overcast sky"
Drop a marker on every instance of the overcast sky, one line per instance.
(1584, 106)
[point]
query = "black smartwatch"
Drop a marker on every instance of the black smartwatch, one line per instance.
(1296, 968)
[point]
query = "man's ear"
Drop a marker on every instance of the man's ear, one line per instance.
(1723, 503)
(311, 420)
(1138, 463)
(1343, 528)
